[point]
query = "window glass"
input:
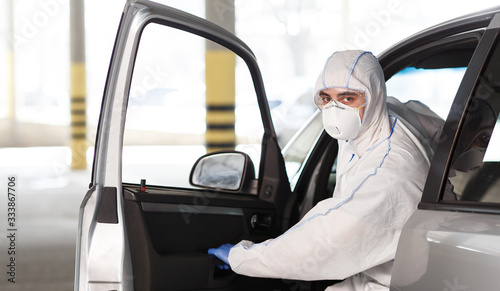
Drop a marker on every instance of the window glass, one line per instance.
(436, 88)
(166, 128)
(475, 170)
(300, 146)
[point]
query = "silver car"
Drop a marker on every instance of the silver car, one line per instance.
(141, 229)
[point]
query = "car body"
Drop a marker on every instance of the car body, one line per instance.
(140, 231)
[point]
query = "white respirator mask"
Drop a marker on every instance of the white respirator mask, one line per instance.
(340, 107)
(341, 121)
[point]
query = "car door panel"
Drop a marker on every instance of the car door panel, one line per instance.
(169, 236)
(216, 221)
(437, 238)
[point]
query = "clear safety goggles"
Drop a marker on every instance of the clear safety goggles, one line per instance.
(340, 97)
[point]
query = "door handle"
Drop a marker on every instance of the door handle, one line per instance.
(261, 222)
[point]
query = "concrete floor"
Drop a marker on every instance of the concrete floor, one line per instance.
(48, 196)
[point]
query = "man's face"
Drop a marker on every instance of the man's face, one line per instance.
(352, 98)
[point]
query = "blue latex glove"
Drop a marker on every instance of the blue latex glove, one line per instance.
(221, 252)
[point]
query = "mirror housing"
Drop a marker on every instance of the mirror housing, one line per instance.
(223, 170)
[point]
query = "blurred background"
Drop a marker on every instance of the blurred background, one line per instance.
(291, 40)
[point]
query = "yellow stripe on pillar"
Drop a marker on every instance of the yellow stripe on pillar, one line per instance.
(78, 80)
(219, 76)
(220, 117)
(220, 99)
(78, 109)
(221, 136)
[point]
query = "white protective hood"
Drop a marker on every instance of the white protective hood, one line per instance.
(359, 70)
(380, 176)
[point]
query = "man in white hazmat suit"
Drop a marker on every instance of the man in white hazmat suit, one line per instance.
(381, 170)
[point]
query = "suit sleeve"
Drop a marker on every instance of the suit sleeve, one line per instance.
(335, 240)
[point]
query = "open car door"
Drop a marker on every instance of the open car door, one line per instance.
(142, 225)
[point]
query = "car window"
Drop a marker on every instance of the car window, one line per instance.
(436, 88)
(166, 129)
(474, 174)
(297, 150)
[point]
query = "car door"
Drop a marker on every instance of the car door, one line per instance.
(452, 241)
(142, 225)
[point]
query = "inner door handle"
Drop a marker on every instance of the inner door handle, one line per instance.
(261, 222)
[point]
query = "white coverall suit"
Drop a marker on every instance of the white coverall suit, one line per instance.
(380, 177)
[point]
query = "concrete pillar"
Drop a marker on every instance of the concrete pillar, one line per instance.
(220, 79)
(78, 90)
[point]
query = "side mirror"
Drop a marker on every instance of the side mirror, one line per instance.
(231, 171)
